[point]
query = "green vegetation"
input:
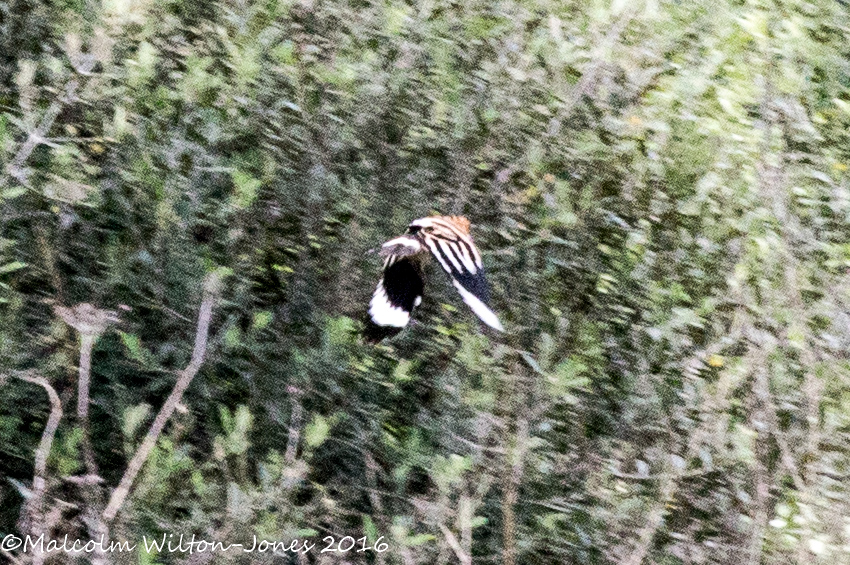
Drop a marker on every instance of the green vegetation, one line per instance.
(661, 192)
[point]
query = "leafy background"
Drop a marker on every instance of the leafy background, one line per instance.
(662, 195)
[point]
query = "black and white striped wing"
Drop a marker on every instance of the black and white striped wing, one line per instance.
(461, 260)
(399, 291)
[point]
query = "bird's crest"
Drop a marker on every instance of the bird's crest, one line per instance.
(459, 221)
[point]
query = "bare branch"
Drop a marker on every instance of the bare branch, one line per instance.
(44, 446)
(513, 480)
(12, 559)
(451, 539)
(86, 346)
(654, 521)
(372, 469)
(295, 423)
(90, 322)
(33, 521)
(590, 77)
(119, 495)
(786, 455)
(39, 134)
(84, 480)
(635, 553)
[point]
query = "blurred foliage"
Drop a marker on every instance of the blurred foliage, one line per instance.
(662, 195)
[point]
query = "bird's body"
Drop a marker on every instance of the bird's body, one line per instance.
(399, 291)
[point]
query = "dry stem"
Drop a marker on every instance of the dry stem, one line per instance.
(38, 135)
(119, 495)
(34, 512)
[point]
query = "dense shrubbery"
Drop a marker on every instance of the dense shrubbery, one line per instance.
(660, 190)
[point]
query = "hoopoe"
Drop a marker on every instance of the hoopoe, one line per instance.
(400, 289)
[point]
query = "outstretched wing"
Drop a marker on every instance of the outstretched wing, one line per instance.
(450, 243)
(399, 291)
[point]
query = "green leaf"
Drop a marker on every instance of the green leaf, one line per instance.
(419, 539)
(317, 431)
(566, 378)
(401, 373)
(843, 105)
(13, 192)
(11, 267)
(247, 188)
(448, 471)
(232, 337)
(369, 528)
(134, 346)
(236, 428)
(134, 416)
(532, 362)
(262, 320)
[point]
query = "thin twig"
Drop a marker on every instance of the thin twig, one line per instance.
(295, 423)
(38, 135)
(588, 81)
(513, 480)
(119, 495)
(455, 545)
(785, 453)
(86, 346)
(654, 521)
(34, 512)
(83, 385)
(636, 552)
(12, 559)
(90, 322)
(477, 446)
(372, 469)
(44, 446)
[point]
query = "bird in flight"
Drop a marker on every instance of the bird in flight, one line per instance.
(400, 289)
